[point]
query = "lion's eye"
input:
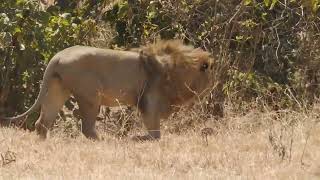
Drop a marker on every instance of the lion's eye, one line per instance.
(204, 67)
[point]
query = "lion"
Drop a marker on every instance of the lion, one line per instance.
(153, 78)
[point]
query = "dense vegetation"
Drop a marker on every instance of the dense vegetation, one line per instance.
(29, 37)
(266, 51)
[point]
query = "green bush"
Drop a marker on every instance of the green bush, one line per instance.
(29, 37)
(271, 43)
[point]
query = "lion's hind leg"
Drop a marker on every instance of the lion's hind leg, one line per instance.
(52, 103)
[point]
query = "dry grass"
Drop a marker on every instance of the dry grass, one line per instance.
(254, 146)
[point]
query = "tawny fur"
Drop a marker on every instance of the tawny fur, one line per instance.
(155, 78)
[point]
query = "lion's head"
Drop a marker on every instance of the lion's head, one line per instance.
(182, 70)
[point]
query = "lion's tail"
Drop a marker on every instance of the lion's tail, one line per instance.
(43, 92)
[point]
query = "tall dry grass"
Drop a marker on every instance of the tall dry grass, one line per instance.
(269, 145)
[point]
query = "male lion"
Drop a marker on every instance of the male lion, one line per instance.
(155, 78)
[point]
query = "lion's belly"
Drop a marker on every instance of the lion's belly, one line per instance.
(116, 98)
(121, 88)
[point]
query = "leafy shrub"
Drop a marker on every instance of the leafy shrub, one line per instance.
(268, 47)
(29, 37)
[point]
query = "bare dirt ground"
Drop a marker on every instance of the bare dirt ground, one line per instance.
(254, 146)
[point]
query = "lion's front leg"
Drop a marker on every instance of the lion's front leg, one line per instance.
(153, 108)
(152, 125)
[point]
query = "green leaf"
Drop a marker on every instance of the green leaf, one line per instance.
(264, 16)
(247, 2)
(19, 15)
(273, 3)
(239, 38)
(152, 15)
(266, 3)
(315, 5)
(123, 9)
(20, 2)
(270, 3)
(17, 30)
